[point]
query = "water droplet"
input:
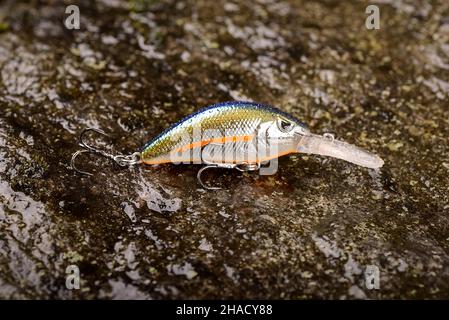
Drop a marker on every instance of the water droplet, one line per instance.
(329, 136)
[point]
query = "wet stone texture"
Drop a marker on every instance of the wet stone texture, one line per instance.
(309, 231)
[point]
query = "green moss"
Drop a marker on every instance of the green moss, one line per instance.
(140, 5)
(73, 257)
(4, 26)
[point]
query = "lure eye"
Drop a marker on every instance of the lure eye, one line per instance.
(284, 126)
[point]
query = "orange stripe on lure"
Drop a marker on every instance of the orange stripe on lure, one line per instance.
(238, 135)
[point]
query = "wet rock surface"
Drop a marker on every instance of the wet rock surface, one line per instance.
(309, 231)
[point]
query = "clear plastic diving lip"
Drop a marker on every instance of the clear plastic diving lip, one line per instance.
(326, 145)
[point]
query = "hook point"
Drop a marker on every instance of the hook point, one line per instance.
(72, 162)
(198, 176)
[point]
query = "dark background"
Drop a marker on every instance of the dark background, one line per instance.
(309, 231)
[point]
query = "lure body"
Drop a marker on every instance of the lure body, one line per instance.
(232, 132)
(241, 132)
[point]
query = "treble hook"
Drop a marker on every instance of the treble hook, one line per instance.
(198, 176)
(243, 167)
(72, 162)
(121, 160)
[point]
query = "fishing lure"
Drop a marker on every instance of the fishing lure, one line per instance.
(235, 135)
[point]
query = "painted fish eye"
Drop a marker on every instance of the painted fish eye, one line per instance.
(284, 125)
